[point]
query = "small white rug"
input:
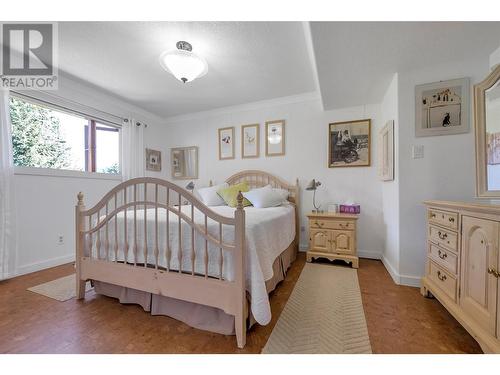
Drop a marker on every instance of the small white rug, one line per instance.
(324, 314)
(61, 289)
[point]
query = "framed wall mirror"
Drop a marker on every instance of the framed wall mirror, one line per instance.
(487, 132)
(184, 162)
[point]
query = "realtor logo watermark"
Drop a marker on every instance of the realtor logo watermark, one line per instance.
(29, 56)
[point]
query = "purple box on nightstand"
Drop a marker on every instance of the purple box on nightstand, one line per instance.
(350, 208)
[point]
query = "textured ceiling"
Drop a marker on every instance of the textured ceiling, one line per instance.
(356, 60)
(247, 61)
(254, 61)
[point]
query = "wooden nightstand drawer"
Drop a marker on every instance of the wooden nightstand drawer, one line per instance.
(332, 224)
(443, 218)
(443, 237)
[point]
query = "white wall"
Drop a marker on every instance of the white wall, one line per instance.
(390, 189)
(305, 159)
(45, 205)
(446, 171)
(495, 58)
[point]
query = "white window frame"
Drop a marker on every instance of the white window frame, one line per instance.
(69, 173)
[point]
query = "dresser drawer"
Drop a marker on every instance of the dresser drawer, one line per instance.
(444, 258)
(444, 218)
(443, 237)
(332, 224)
(443, 279)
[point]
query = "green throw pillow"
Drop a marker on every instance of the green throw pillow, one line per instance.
(230, 194)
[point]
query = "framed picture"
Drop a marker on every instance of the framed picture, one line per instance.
(250, 147)
(442, 108)
(386, 152)
(153, 160)
(184, 162)
(349, 144)
(226, 143)
(275, 138)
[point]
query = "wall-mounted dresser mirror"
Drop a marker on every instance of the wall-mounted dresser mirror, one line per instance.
(184, 162)
(487, 127)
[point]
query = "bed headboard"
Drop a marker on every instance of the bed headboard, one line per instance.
(256, 179)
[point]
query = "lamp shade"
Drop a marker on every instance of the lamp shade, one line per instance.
(183, 64)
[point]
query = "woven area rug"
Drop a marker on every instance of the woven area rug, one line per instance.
(61, 289)
(324, 314)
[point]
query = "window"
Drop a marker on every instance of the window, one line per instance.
(44, 137)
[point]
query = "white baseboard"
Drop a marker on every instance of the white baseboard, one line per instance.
(369, 254)
(33, 267)
(399, 279)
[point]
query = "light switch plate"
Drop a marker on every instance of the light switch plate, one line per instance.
(418, 151)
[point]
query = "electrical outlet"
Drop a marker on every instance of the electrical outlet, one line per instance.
(60, 240)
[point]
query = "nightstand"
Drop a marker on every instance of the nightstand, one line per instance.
(333, 236)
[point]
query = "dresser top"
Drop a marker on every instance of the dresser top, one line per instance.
(465, 206)
(332, 215)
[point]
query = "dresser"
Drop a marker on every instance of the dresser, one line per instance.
(333, 236)
(462, 267)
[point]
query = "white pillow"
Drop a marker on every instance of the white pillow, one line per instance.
(264, 197)
(210, 197)
(283, 193)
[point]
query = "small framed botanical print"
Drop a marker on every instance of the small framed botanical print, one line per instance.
(349, 144)
(250, 147)
(153, 160)
(442, 108)
(275, 138)
(226, 143)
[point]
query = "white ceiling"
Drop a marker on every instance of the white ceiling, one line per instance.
(356, 60)
(253, 61)
(247, 62)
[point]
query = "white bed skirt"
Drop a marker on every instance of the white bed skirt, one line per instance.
(195, 315)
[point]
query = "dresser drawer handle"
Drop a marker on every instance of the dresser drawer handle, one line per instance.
(342, 225)
(319, 225)
(433, 215)
(493, 272)
(451, 219)
(441, 276)
(442, 255)
(443, 236)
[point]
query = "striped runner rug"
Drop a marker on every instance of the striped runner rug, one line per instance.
(324, 314)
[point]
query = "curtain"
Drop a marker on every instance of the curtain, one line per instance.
(133, 155)
(7, 199)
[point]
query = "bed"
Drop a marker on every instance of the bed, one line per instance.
(151, 242)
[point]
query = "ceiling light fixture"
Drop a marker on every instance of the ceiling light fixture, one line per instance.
(183, 64)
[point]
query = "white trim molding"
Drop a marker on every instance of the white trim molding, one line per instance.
(407, 280)
(306, 97)
(370, 254)
(50, 172)
(38, 266)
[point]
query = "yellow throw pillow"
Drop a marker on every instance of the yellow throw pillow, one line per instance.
(230, 194)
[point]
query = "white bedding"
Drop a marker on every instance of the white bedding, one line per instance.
(269, 231)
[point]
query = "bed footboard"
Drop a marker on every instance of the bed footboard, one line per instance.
(118, 241)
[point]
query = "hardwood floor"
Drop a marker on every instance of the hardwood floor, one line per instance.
(399, 320)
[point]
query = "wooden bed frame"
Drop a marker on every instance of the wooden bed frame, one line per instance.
(153, 193)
